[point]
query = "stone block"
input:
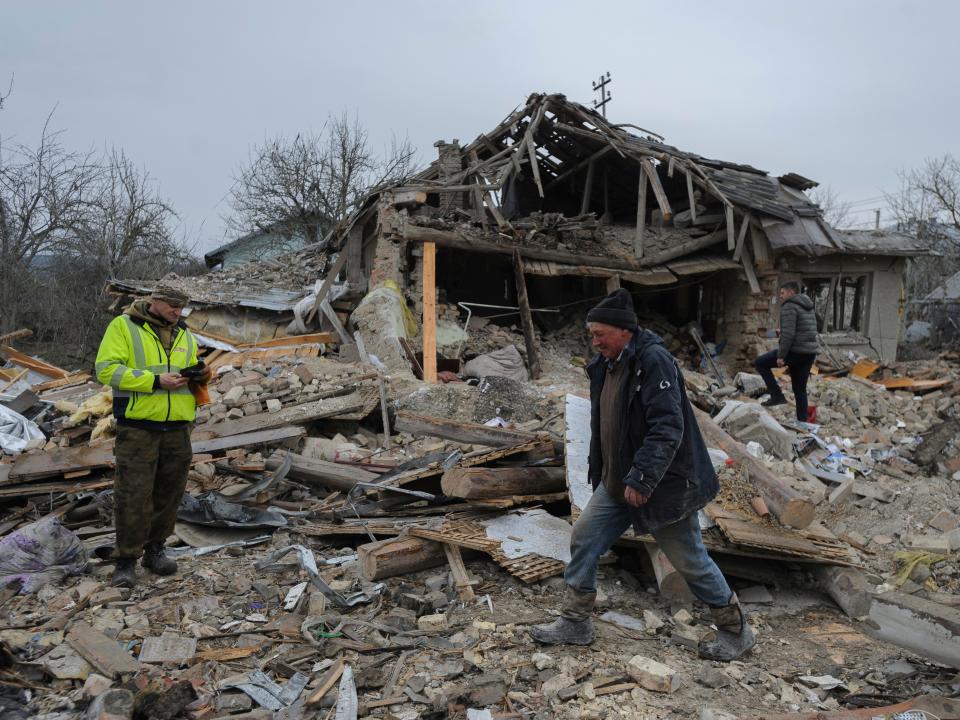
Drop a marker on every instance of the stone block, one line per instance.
(653, 675)
(432, 623)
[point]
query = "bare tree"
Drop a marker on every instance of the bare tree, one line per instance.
(309, 183)
(44, 195)
(835, 212)
(927, 206)
(128, 219)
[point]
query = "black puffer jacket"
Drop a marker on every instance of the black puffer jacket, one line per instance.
(798, 327)
(661, 448)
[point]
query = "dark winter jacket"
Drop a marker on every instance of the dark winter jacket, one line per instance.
(661, 448)
(798, 327)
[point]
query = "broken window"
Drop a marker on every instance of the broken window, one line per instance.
(839, 301)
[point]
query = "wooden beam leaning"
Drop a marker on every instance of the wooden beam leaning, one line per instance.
(691, 196)
(331, 276)
(587, 188)
(787, 504)
(731, 234)
(576, 168)
(641, 213)
(658, 192)
(741, 238)
(526, 317)
(751, 274)
(429, 312)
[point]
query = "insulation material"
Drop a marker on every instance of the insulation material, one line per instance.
(505, 362)
(531, 532)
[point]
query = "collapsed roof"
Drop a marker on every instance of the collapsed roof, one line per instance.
(555, 156)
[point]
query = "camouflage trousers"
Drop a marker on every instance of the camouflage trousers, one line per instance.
(152, 467)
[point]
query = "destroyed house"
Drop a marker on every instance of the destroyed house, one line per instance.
(557, 205)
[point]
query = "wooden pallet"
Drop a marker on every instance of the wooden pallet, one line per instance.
(473, 535)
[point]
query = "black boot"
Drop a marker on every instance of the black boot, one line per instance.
(734, 635)
(774, 400)
(156, 561)
(125, 573)
(574, 626)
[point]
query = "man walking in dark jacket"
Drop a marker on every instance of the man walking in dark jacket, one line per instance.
(649, 467)
(797, 350)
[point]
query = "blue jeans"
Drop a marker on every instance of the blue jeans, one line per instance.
(604, 521)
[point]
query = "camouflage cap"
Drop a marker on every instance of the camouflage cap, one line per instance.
(169, 294)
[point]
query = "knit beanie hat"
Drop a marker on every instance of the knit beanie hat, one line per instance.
(615, 309)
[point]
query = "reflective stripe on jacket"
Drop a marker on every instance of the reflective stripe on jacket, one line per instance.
(131, 356)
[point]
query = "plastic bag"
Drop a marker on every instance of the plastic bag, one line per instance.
(16, 432)
(40, 553)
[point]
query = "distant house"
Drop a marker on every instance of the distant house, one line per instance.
(261, 244)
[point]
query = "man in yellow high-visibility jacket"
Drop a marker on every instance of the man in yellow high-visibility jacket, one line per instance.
(140, 358)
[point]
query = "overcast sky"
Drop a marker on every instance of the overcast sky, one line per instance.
(844, 92)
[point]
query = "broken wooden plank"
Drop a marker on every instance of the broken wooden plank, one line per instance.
(789, 506)
(258, 437)
(487, 482)
(35, 466)
(459, 431)
(748, 270)
(101, 652)
(587, 188)
(731, 235)
(429, 328)
(461, 578)
(692, 199)
(526, 317)
(398, 556)
(329, 680)
(741, 238)
(290, 341)
(658, 192)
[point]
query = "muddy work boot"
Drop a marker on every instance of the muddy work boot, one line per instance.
(155, 560)
(734, 635)
(574, 626)
(124, 573)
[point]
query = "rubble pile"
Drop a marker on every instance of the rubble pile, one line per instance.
(351, 554)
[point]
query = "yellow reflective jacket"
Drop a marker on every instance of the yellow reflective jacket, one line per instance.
(131, 359)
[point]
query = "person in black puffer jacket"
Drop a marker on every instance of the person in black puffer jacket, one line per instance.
(649, 468)
(797, 350)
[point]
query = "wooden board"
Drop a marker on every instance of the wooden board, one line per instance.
(459, 431)
(293, 341)
(911, 385)
(34, 466)
(864, 368)
(104, 654)
(747, 533)
(257, 437)
(295, 415)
